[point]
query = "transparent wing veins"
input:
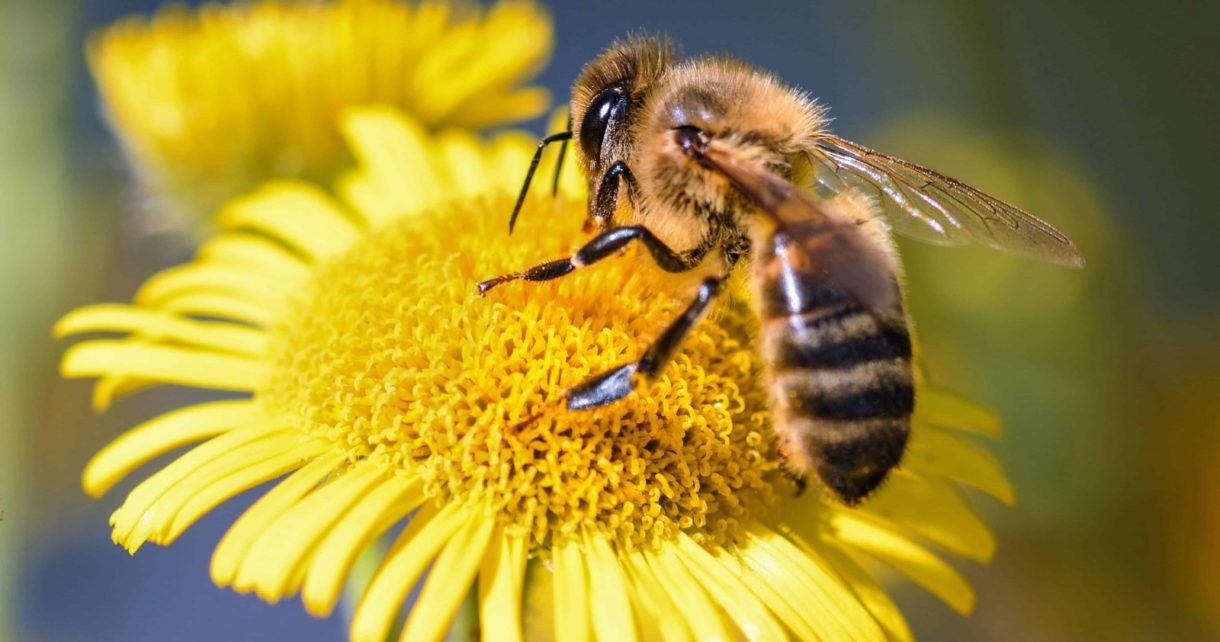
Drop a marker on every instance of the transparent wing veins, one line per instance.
(929, 206)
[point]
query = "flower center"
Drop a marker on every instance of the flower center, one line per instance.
(391, 354)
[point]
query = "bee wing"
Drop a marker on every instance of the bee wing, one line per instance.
(831, 239)
(926, 205)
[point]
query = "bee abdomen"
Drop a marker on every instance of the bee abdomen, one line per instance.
(851, 458)
(835, 337)
(871, 390)
(843, 393)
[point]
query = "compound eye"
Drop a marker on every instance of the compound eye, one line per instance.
(608, 105)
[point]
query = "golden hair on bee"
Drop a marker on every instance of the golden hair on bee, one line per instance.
(711, 164)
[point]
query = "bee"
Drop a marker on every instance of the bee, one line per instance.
(713, 164)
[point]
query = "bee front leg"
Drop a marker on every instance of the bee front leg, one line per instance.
(605, 244)
(617, 383)
(605, 199)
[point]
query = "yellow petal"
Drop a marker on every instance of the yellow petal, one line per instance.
(108, 388)
(462, 156)
(215, 279)
(297, 213)
(571, 592)
(127, 516)
(509, 152)
(449, 580)
(871, 594)
(808, 585)
(936, 451)
(256, 253)
(454, 80)
(420, 541)
(500, 588)
(220, 306)
(608, 591)
(520, 104)
(183, 366)
(383, 141)
(935, 509)
(337, 552)
(160, 435)
(158, 326)
(914, 561)
(746, 611)
(234, 547)
(161, 514)
(656, 612)
(282, 549)
(942, 408)
(767, 593)
(232, 483)
(538, 600)
(692, 603)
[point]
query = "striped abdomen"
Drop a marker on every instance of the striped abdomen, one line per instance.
(841, 381)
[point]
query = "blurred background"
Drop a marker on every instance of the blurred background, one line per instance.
(1098, 116)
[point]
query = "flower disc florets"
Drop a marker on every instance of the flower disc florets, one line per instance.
(393, 354)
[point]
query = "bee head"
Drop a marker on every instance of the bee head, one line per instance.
(607, 96)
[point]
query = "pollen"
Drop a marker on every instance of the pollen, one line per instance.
(391, 354)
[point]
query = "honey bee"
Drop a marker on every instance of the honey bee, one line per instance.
(706, 162)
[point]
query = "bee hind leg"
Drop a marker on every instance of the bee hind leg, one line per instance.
(798, 478)
(617, 383)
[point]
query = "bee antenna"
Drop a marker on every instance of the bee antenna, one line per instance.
(529, 176)
(563, 150)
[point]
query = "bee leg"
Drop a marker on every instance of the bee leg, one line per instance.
(605, 244)
(605, 200)
(615, 384)
(797, 477)
(798, 480)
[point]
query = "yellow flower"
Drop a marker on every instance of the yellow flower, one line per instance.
(386, 390)
(210, 103)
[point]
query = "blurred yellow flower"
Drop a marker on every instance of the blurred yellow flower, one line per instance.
(385, 388)
(210, 103)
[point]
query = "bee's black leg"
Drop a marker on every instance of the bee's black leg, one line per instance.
(599, 247)
(615, 384)
(605, 199)
(798, 479)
